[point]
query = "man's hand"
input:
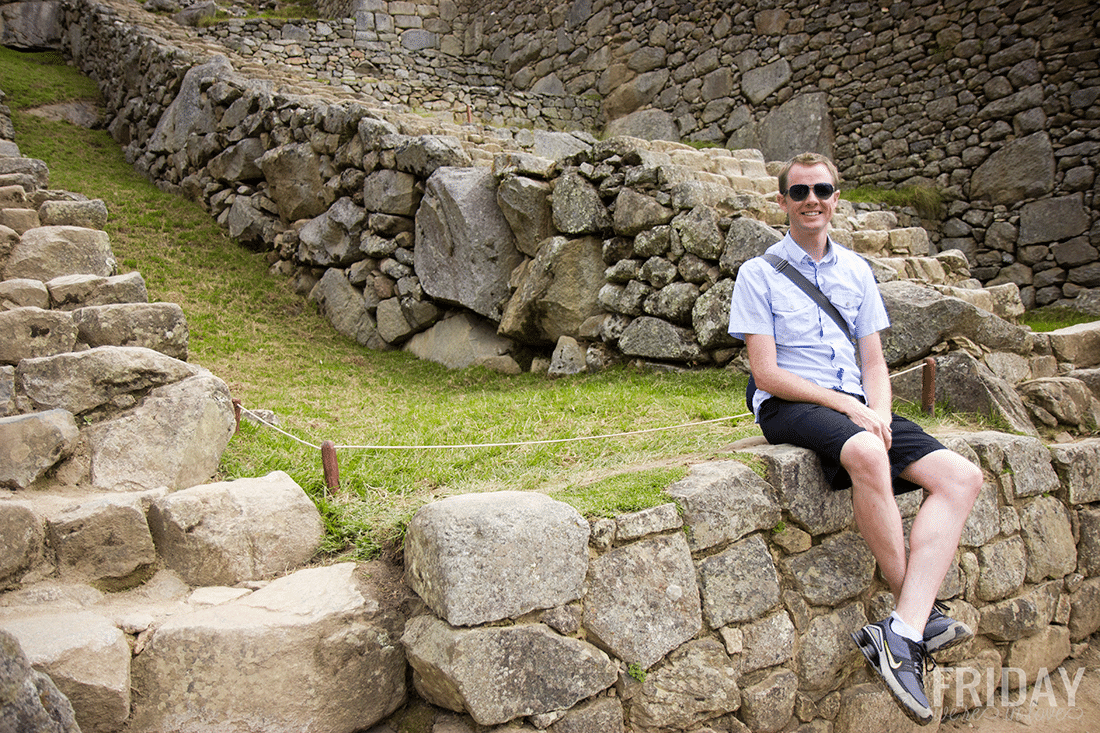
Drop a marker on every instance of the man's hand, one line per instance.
(870, 420)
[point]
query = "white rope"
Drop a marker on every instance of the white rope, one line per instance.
(550, 441)
(501, 445)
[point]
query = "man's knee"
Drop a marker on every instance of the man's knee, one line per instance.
(864, 452)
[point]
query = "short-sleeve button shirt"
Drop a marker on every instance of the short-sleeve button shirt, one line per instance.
(808, 342)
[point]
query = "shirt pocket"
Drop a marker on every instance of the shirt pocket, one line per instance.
(795, 320)
(847, 299)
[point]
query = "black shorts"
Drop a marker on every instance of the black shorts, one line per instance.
(825, 431)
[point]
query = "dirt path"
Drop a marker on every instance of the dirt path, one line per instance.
(1047, 708)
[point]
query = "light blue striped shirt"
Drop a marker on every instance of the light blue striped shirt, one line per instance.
(807, 341)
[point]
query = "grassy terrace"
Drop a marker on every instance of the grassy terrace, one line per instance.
(276, 352)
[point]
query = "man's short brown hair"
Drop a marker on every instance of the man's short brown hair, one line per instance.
(808, 159)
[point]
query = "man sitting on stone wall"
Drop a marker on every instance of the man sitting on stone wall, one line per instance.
(823, 389)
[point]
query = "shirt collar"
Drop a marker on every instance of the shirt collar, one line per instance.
(793, 253)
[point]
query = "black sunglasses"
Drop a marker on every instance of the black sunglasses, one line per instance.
(799, 191)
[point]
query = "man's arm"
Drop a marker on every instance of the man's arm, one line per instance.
(786, 385)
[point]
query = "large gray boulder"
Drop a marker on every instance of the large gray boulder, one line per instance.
(293, 174)
(29, 332)
(465, 252)
(722, 501)
(174, 438)
(642, 599)
(103, 539)
(497, 674)
(477, 558)
(85, 655)
(1022, 169)
(525, 203)
(30, 700)
(21, 539)
(557, 292)
(69, 292)
(344, 306)
(228, 532)
(921, 318)
(967, 385)
(460, 341)
(32, 444)
(44, 253)
(191, 113)
(158, 326)
(84, 380)
(314, 661)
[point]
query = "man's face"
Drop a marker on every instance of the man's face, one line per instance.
(810, 216)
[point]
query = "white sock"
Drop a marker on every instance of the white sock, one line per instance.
(903, 629)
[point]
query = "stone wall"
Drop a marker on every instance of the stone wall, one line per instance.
(731, 607)
(994, 102)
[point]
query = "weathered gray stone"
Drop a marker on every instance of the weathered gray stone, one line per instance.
(86, 656)
(158, 326)
(827, 650)
(465, 252)
(1084, 619)
(1003, 567)
(526, 205)
(739, 584)
(104, 538)
(423, 156)
(839, 568)
(23, 292)
(557, 293)
(191, 113)
(459, 341)
(569, 358)
(653, 338)
(1037, 654)
(723, 501)
(87, 214)
(228, 532)
(642, 600)
(31, 700)
(1023, 463)
(1022, 169)
(1051, 550)
(293, 174)
(1079, 345)
(343, 304)
(576, 206)
(391, 192)
(634, 525)
(768, 642)
(1061, 401)
(476, 558)
(26, 333)
(1019, 617)
(82, 381)
(673, 302)
(799, 124)
(635, 212)
(332, 238)
(796, 475)
(1052, 220)
(69, 292)
(1088, 544)
(870, 708)
(32, 444)
(768, 704)
(239, 162)
(595, 715)
(21, 539)
(710, 316)
(967, 385)
(497, 674)
(174, 438)
(286, 638)
(699, 682)
(47, 252)
(746, 238)
(647, 124)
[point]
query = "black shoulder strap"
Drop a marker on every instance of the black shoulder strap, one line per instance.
(784, 267)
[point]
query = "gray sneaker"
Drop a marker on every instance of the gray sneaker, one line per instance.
(943, 632)
(900, 663)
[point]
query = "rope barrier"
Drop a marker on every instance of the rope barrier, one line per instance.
(332, 471)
